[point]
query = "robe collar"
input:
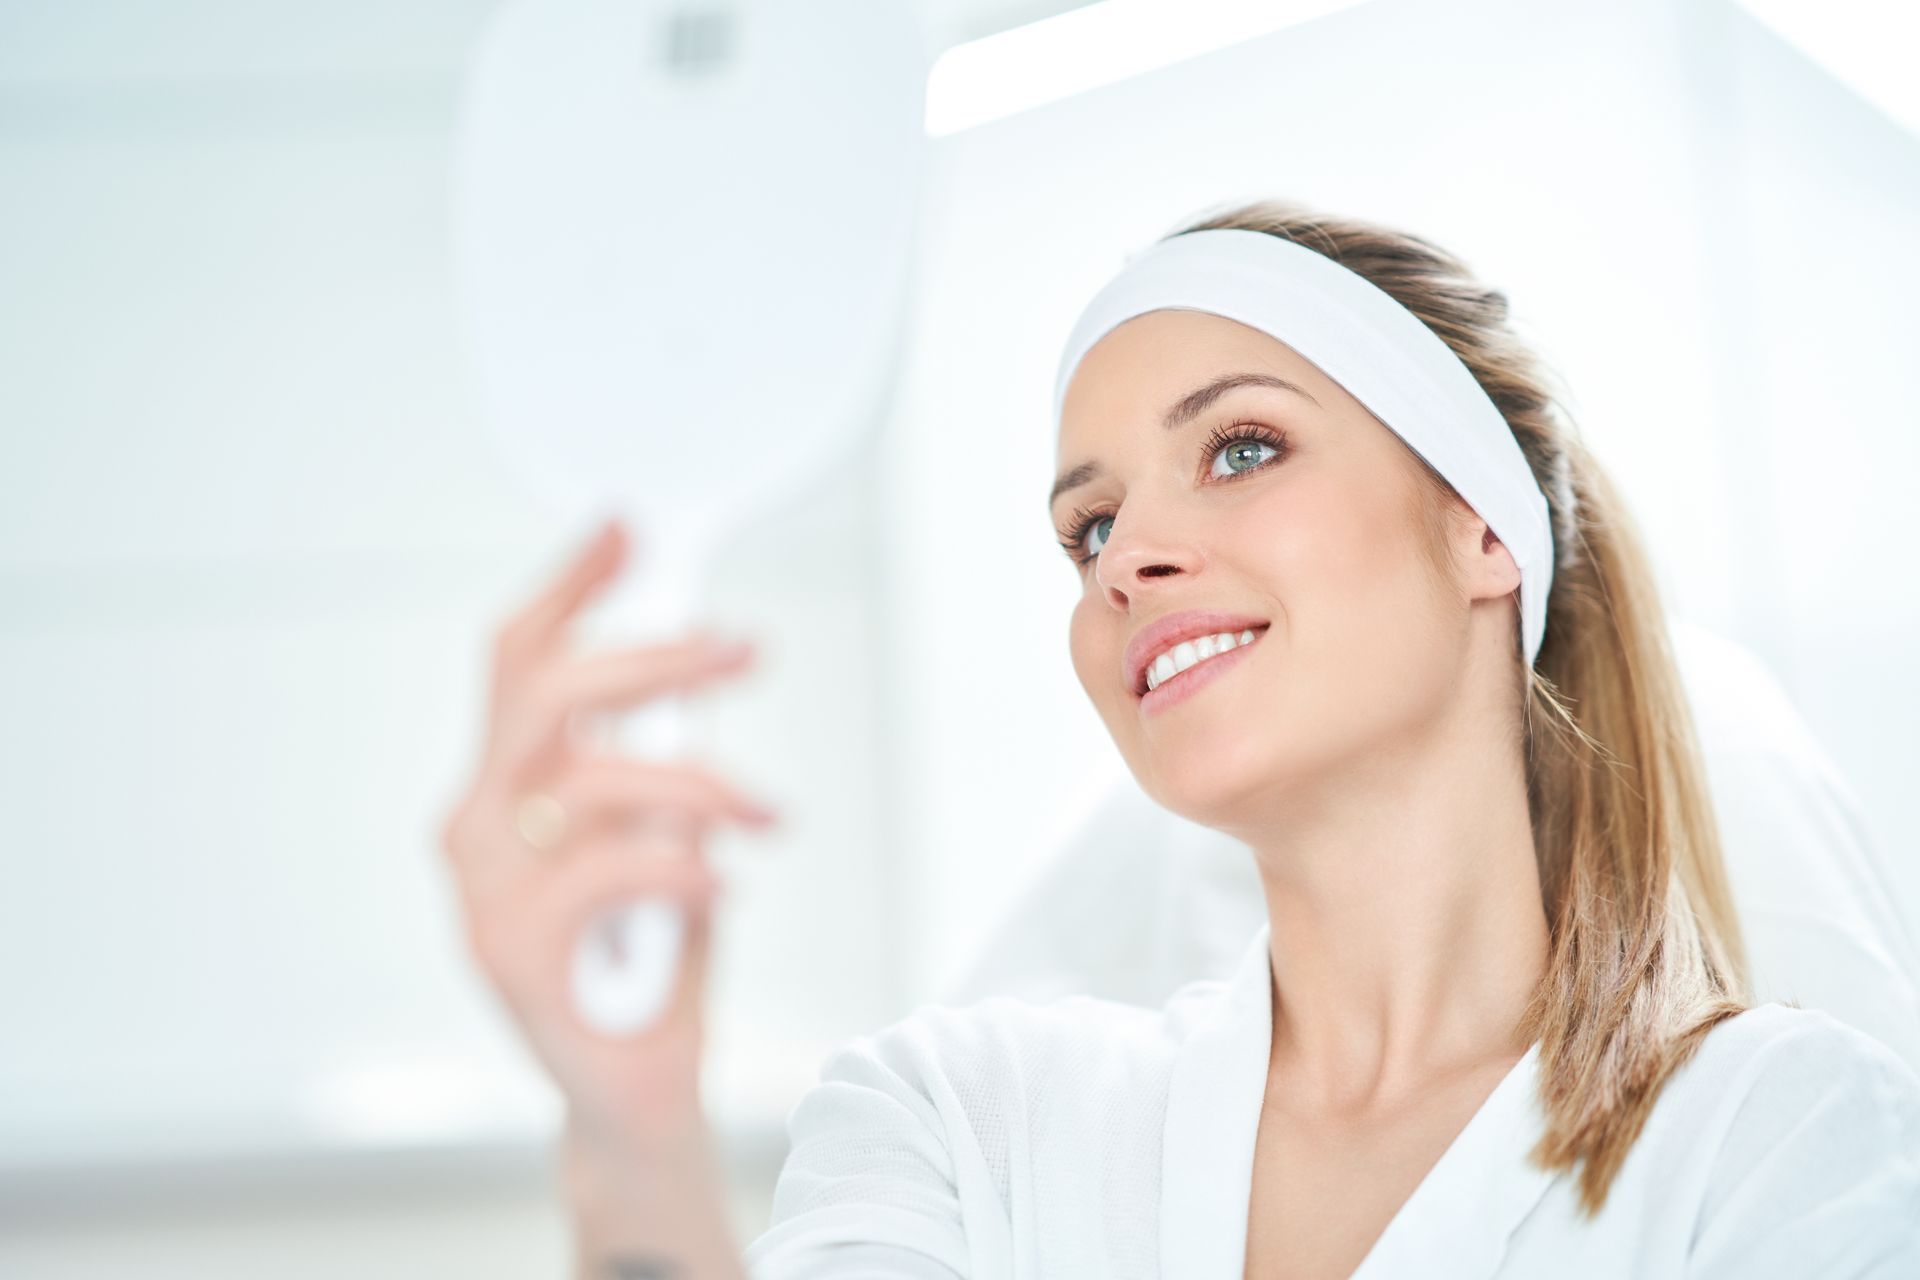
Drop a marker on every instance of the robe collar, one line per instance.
(1455, 1224)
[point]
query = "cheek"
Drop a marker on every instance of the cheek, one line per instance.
(1341, 565)
(1083, 641)
(1311, 544)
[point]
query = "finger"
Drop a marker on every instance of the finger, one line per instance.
(486, 851)
(538, 624)
(624, 677)
(527, 945)
(601, 798)
(682, 1012)
(613, 869)
(600, 792)
(613, 873)
(699, 949)
(532, 728)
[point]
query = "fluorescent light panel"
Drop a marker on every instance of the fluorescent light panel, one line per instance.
(1099, 44)
(1867, 44)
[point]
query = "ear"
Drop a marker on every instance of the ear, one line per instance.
(1488, 569)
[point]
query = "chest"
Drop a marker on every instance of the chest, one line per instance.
(1322, 1193)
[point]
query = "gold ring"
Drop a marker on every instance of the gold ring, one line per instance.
(542, 820)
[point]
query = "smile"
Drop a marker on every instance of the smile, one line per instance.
(1191, 653)
(1189, 681)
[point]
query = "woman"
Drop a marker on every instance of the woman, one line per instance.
(1354, 593)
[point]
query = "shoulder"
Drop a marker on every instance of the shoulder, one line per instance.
(1770, 1073)
(1815, 1147)
(948, 1053)
(916, 1133)
(1781, 1055)
(997, 1072)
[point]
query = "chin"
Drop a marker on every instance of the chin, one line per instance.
(1216, 787)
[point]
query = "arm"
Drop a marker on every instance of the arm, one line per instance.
(638, 1163)
(871, 1187)
(653, 1214)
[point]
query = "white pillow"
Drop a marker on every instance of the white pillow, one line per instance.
(1139, 901)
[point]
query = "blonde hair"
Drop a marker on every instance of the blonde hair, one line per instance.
(1646, 955)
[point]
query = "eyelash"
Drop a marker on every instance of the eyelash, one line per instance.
(1083, 519)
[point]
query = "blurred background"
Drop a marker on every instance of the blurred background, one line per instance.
(253, 543)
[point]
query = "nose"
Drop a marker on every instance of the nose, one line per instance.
(1139, 555)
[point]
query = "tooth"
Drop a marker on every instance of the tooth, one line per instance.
(1191, 652)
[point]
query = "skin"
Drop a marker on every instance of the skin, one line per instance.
(1367, 750)
(640, 1167)
(1380, 788)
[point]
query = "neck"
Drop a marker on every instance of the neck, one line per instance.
(1408, 933)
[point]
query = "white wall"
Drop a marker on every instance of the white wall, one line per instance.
(250, 545)
(1702, 231)
(251, 551)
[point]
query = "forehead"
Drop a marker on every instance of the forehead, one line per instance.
(1141, 365)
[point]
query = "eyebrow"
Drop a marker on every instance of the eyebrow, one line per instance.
(1179, 414)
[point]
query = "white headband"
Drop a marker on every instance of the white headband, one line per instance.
(1358, 335)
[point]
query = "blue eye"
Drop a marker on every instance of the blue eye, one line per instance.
(1247, 451)
(1239, 434)
(1092, 524)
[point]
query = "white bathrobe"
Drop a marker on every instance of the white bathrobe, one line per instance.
(1089, 1138)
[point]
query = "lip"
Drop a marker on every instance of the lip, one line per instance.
(1164, 633)
(1190, 682)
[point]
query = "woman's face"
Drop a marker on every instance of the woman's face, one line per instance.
(1315, 544)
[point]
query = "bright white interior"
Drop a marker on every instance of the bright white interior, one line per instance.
(249, 550)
